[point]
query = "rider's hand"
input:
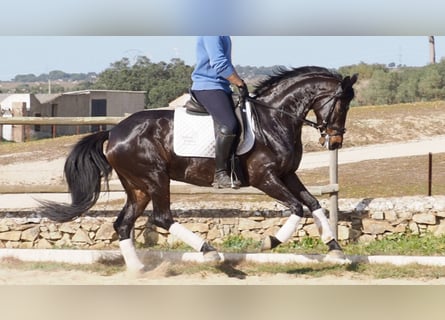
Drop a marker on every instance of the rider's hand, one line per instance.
(243, 90)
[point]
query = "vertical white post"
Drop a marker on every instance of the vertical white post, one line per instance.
(333, 197)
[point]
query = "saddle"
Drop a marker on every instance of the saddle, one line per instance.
(193, 106)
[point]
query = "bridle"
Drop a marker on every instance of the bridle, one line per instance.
(325, 124)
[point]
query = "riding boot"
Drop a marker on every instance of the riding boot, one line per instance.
(223, 151)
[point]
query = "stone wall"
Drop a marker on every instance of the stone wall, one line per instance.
(361, 220)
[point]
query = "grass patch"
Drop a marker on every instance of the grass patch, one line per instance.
(306, 245)
(395, 244)
(237, 244)
(401, 244)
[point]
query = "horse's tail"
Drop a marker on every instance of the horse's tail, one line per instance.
(84, 169)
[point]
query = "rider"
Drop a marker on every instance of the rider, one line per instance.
(212, 77)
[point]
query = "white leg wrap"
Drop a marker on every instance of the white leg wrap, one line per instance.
(129, 253)
(186, 236)
(288, 229)
(323, 225)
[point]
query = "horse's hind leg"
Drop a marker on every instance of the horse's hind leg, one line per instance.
(162, 217)
(194, 241)
(133, 208)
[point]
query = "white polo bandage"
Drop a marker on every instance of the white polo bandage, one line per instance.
(288, 229)
(130, 257)
(323, 225)
(187, 236)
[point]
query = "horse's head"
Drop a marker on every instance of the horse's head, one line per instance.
(295, 92)
(331, 111)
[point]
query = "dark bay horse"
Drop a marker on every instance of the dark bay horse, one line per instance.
(140, 150)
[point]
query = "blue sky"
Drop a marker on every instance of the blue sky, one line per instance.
(41, 54)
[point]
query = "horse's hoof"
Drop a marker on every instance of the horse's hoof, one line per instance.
(211, 256)
(209, 253)
(269, 243)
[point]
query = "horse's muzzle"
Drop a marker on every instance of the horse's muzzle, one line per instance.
(335, 142)
(331, 142)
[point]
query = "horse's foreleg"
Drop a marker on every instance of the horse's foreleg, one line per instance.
(283, 234)
(300, 191)
(326, 234)
(324, 229)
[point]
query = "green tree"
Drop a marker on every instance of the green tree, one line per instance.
(431, 84)
(116, 77)
(162, 82)
(382, 88)
(365, 71)
(408, 89)
(30, 77)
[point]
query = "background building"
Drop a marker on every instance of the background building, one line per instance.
(87, 103)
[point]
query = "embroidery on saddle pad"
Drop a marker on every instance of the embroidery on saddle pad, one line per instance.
(194, 136)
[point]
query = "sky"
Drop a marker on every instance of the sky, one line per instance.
(82, 54)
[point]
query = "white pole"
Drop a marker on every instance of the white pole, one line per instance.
(333, 197)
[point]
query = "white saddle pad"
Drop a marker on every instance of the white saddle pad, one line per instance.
(194, 135)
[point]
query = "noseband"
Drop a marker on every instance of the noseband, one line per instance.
(324, 127)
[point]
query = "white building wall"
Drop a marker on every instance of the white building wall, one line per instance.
(6, 106)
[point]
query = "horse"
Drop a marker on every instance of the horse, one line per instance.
(140, 150)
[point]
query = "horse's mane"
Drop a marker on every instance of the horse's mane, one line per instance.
(299, 73)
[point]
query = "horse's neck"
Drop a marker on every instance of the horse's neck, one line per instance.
(282, 120)
(296, 102)
(280, 126)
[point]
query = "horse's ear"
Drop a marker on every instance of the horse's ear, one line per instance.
(354, 79)
(348, 81)
(345, 82)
